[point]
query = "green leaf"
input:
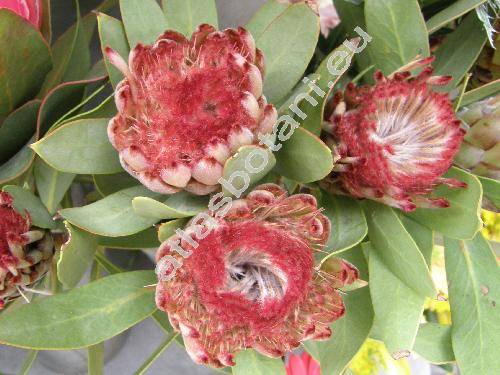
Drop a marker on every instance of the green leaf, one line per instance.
(304, 157)
(144, 21)
(462, 219)
(71, 56)
(83, 316)
(184, 16)
(17, 129)
(398, 31)
(76, 256)
(17, 165)
(105, 109)
(460, 50)
(287, 36)
(249, 362)
(59, 101)
(434, 343)
(340, 58)
(51, 184)
(491, 190)
(179, 205)
(348, 222)
(166, 230)
(112, 34)
(146, 239)
(423, 236)
(112, 216)
(25, 200)
(107, 184)
(473, 280)
(398, 308)
(397, 251)
(455, 10)
(247, 160)
(480, 93)
(349, 334)
(92, 154)
(352, 15)
(23, 67)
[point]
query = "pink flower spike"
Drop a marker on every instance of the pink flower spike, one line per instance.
(30, 10)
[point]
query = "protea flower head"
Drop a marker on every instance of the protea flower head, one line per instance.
(393, 141)
(25, 252)
(480, 151)
(302, 364)
(30, 10)
(185, 106)
(251, 281)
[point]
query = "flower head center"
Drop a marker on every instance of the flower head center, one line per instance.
(254, 275)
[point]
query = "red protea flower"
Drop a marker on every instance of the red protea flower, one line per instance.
(24, 254)
(250, 282)
(30, 10)
(302, 365)
(185, 106)
(396, 139)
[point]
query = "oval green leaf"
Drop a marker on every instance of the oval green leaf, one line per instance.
(462, 219)
(76, 256)
(51, 184)
(184, 16)
(166, 230)
(112, 34)
(287, 36)
(112, 216)
(348, 222)
(177, 206)
(17, 129)
(460, 50)
(397, 250)
(473, 280)
(82, 317)
(26, 200)
(23, 67)
(455, 10)
(398, 308)
(92, 154)
(398, 31)
(249, 362)
(434, 343)
(491, 190)
(107, 184)
(304, 157)
(144, 21)
(247, 160)
(146, 239)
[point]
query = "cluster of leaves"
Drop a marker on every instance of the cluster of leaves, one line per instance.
(68, 144)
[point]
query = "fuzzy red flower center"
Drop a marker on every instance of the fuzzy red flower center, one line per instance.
(258, 272)
(12, 224)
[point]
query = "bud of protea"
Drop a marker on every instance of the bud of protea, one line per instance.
(30, 10)
(249, 281)
(185, 106)
(393, 141)
(480, 151)
(25, 252)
